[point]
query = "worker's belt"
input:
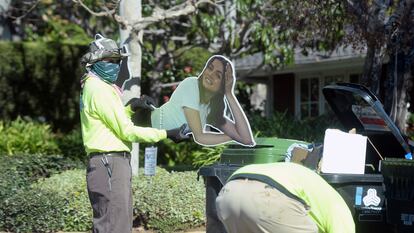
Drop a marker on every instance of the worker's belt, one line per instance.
(270, 182)
(121, 154)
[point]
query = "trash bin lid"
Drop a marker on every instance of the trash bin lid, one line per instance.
(267, 150)
(356, 107)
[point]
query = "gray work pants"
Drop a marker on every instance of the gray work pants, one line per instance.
(110, 194)
(249, 206)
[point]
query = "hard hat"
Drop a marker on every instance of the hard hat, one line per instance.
(102, 48)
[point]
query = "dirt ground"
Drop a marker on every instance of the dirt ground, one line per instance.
(197, 230)
(141, 230)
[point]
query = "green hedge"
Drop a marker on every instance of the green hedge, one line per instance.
(56, 203)
(17, 173)
(165, 202)
(70, 187)
(41, 80)
(169, 201)
(32, 210)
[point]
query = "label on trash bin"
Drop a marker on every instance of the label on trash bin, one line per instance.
(369, 118)
(150, 161)
(371, 199)
(368, 197)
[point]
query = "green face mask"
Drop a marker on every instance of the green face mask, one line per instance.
(106, 70)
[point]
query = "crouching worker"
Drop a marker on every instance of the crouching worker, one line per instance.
(281, 197)
(107, 133)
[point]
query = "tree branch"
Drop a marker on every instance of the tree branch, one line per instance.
(17, 19)
(244, 34)
(106, 12)
(354, 7)
(159, 14)
(394, 21)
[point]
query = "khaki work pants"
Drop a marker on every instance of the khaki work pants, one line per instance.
(249, 206)
(110, 194)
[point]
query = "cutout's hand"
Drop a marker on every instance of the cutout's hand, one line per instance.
(229, 79)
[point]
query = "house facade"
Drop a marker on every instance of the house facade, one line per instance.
(297, 88)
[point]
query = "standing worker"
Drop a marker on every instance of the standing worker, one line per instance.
(281, 197)
(107, 133)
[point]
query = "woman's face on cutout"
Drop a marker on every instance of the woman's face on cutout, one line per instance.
(213, 75)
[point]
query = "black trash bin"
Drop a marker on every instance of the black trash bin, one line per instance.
(353, 188)
(399, 192)
(215, 176)
(356, 107)
(364, 195)
(267, 150)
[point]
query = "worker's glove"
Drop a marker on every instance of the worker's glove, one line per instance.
(145, 102)
(178, 134)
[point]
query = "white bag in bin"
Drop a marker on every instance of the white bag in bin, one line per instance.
(343, 152)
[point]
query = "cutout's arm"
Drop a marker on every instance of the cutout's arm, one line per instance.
(194, 122)
(239, 130)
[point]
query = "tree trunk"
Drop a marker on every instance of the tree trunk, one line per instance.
(230, 15)
(398, 84)
(5, 33)
(400, 103)
(130, 10)
(372, 68)
(155, 83)
(399, 78)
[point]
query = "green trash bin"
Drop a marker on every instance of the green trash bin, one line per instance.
(267, 150)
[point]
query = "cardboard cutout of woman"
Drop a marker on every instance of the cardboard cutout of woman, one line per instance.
(208, 105)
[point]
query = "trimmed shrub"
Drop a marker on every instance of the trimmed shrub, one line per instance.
(10, 184)
(51, 204)
(36, 166)
(165, 202)
(19, 171)
(32, 210)
(169, 201)
(70, 187)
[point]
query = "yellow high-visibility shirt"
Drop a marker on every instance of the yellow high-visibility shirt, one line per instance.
(327, 208)
(106, 123)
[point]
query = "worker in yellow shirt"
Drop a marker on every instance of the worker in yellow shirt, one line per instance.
(108, 133)
(281, 197)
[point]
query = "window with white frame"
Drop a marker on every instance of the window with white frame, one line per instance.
(309, 97)
(310, 101)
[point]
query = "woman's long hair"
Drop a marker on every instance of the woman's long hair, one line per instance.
(216, 103)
